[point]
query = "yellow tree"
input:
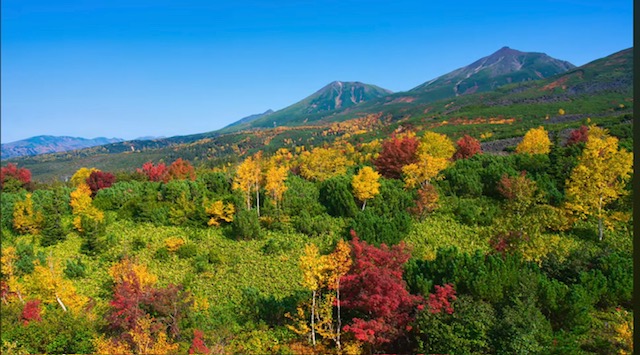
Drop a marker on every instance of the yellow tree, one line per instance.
(434, 155)
(83, 209)
(535, 141)
(80, 177)
(47, 283)
(366, 185)
(248, 178)
(338, 264)
(25, 219)
(274, 183)
(599, 178)
(219, 212)
(313, 276)
(323, 163)
(7, 263)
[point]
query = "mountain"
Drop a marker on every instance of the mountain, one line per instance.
(50, 144)
(250, 119)
(336, 96)
(505, 66)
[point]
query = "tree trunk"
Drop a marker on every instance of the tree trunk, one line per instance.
(313, 324)
(600, 229)
(258, 198)
(339, 320)
(364, 204)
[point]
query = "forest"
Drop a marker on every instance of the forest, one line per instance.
(413, 242)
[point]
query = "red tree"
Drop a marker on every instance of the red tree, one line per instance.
(441, 300)
(12, 171)
(578, 136)
(154, 173)
(31, 312)
(180, 170)
(396, 153)
(374, 287)
(467, 147)
(100, 180)
(197, 345)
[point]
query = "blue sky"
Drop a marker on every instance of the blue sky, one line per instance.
(134, 68)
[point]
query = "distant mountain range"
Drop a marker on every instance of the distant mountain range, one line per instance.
(50, 144)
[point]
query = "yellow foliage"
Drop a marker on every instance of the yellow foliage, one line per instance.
(366, 184)
(540, 246)
(323, 163)
(144, 342)
(7, 265)
(600, 176)
(300, 325)
(312, 266)
(535, 141)
(48, 284)
(81, 205)
(106, 346)
(219, 211)
(248, 176)
(352, 348)
(173, 244)
(120, 272)
(434, 155)
(561, 112)
(25, 219)
(338, 263)
(80, 176)
(201, 304)
(274, 182)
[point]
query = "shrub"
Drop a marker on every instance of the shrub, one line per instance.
(335, 195)
(246, 225)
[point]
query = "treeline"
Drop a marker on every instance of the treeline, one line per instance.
(551, 273)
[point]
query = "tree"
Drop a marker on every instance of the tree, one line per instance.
(85, 214)
(180, 170)
(535, 141)
(467, 147)
(154, 173)
(25, 219)
(80, 177)
(434, 154)
(100, 180)
(248, 179)
(48, 284)
(12, 177)
(366, 185)
(312, 266)
(427, 201)
(374, 287)
(219, 211)
(599, 178)
(397, 151)
(579, 135)
(274, 183)
(323, 163)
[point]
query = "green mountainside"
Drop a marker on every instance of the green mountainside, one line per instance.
(336, 96)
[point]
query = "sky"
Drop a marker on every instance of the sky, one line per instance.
(133, 68)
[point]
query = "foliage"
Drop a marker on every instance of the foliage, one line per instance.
(13, 178)
(248, 179)
(577, 136)
(397, 151)
(98, 180)
(25, 219)
(323, 163)
(154, 172)
(374, 288)
(434, 154)
(365, 185)
(467, 147)
(180, 170)
(220, 212)
(336, 196)
(81, 175)
(599, 178)
(246, 225)
(535, 141)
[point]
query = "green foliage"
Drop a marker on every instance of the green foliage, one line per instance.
(246, 225)
(466, 331)
(301, 198)
(475, 212)
(75, 268)
(335, 195)
(521, 329)
(188, 250)
(376, 229)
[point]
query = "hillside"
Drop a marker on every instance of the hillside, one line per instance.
(336, 96)
(50, 144)
(505, 66)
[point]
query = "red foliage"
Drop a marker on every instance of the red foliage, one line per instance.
(467, 147)
(154, 173)
(441, 300)
(578, 136)
(426, 202)
(396, 153)
(181, 170)
(12, 171)
(197, 345)
(374, 286)
(508, 242)
(126, 304)
(100, 180)
(31, 312)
